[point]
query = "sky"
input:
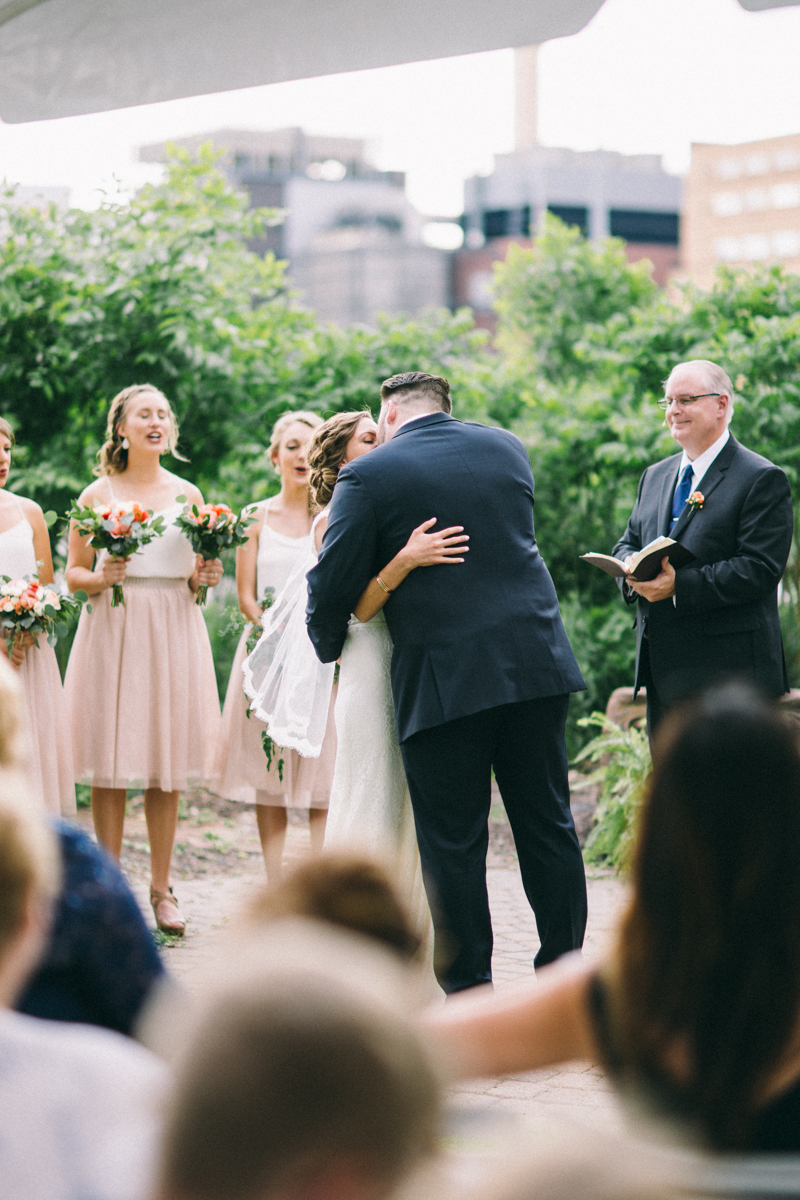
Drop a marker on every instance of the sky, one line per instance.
(645, 76)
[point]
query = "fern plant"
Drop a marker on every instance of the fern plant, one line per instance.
(622, 761)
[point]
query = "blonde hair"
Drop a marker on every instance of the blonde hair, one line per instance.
(326, 452)
(289, 1077)
(7, 430)
(29, 862)
(312, 420)
(112, 455)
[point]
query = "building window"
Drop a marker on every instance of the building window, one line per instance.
(571, 214)
(507, 222)
(496, 223)
(641, 226)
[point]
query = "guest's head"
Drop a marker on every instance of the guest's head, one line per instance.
(298, 1089)
(29, 882)
(345, 890)
(339, 440)
(709, 953)
(412, 394)
(701, 404)
(135, 416)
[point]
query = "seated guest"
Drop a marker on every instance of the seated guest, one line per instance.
(100, 961)
(696, 1014)
(295, 1087)
(79, 1107)
(346, 890)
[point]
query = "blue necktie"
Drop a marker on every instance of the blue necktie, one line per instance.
(681, 495)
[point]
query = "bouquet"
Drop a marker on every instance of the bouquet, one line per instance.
(121, 529)
(211, 529)
(27, 606)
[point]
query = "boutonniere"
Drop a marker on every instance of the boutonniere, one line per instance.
(695, 501)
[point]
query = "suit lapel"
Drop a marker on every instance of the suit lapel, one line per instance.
(665, 499)
(711, 480)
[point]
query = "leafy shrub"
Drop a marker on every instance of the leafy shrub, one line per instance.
(622, 761)
(605, 647)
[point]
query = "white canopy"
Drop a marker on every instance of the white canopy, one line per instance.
(59, 58)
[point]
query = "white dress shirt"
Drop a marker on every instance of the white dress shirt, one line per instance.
(418, 417)
(703, 461)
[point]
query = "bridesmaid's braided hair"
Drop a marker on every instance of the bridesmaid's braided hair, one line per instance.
(326, 452)
(112, 455)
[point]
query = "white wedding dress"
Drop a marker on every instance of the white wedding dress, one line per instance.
(289, 690)
(370, 808)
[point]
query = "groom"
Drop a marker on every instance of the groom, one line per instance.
(481, 671)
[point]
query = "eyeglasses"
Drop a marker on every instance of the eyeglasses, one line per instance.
(684, 400)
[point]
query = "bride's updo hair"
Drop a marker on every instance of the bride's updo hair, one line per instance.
(112, 455)
(326, 452)
(7, 431)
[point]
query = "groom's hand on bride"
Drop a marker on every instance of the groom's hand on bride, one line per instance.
(425, 549)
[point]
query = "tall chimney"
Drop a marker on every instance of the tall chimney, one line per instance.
(525, 88)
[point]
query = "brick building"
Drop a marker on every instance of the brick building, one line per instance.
(742, 206)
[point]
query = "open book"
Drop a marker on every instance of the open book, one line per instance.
(646, 564)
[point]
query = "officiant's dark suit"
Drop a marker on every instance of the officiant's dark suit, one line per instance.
(724, 618)
(481, 672)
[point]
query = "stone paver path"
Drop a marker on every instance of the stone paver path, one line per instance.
(574, 1093)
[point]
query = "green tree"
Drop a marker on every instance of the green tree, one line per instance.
(162, 290)
(587, 367)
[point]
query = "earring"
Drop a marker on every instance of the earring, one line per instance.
(125, 444)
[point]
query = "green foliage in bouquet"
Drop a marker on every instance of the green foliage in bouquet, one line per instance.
(273, 752)
(622, 764)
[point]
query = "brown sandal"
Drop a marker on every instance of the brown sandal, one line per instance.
(168, 915)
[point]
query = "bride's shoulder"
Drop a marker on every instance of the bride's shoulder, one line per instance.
(318, 527)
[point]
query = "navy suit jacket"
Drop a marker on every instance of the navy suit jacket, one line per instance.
(725, 617)
(467, 637)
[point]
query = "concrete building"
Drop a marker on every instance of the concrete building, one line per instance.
(351, 236)
(742, 207)
(34, 196)
(601, 192)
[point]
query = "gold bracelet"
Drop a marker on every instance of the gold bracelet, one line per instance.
(381, 584)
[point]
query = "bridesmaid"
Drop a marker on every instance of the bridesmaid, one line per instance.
(278, 538)
(140, 680)
(25, 550)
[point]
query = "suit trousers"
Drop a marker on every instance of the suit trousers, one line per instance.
(449, 771)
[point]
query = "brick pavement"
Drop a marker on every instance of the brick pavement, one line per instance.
(576, 1093)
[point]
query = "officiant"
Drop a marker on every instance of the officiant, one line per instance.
(718, 616)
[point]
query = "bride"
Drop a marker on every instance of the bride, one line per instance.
(370, 808)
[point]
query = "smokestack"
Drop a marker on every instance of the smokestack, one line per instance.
(525, 88)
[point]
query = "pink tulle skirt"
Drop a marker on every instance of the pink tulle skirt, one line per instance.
(141, 690)
(49, 748)
(242, 772)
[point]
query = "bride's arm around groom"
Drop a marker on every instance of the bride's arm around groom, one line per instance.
(481, 670)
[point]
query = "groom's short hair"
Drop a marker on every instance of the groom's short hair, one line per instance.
(414, 386)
